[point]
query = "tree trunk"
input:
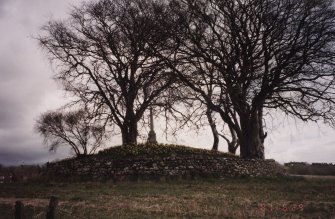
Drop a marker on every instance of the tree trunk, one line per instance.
(234, 143)
(252, 137)
(214, 130)
(232, 147)
(129, 133)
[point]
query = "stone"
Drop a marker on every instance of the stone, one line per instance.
(156, 167)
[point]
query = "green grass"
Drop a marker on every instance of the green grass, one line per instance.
(212, 198)
(160, 150)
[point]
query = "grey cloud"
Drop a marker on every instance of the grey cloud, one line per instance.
(27, 156)
(3, 3)
(25, 79)
(19, 146)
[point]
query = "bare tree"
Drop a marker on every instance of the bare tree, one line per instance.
(77, 129)
(103, 56)
(266, 54)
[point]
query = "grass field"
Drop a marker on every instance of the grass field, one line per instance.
(291, 197)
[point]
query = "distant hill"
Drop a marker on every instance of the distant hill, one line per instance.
(303, 168)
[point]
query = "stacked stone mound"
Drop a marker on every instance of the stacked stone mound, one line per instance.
(160, 168)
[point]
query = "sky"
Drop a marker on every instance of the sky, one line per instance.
(27, 90)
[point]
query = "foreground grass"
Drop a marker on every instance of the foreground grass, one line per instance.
(221, 198)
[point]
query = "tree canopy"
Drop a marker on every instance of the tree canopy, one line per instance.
(77, 129)
(238, 58)
(257, 55)
(105, 60)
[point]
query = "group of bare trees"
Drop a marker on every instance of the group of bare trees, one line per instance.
(231, 60)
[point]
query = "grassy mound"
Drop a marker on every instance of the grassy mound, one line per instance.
(160, 150)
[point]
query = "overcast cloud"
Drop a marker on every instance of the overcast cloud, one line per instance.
(27, 90)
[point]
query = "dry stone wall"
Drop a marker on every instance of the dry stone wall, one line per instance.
(156, 168)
